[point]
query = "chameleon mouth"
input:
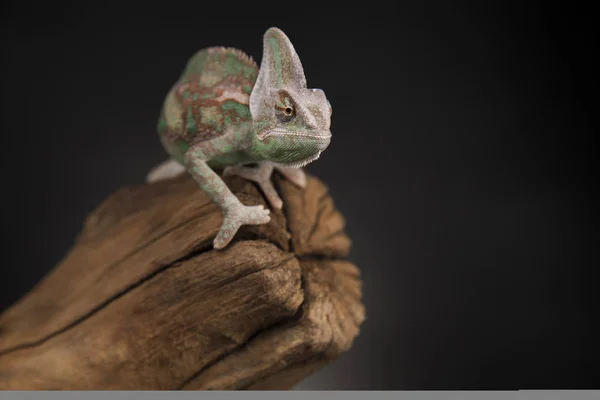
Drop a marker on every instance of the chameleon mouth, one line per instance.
(299, 163)
(321, 136)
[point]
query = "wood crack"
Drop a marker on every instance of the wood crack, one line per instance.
(282, 322)
(102, 305)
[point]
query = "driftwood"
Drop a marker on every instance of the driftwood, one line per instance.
(143, 301)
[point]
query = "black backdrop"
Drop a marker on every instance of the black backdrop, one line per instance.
(462, 156)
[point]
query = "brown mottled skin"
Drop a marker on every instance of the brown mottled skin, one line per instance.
(225, 112)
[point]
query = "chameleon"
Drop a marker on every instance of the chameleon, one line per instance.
(225, 113)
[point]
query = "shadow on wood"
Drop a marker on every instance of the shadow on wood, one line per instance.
(143, 301)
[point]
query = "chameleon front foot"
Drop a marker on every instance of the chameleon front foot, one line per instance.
(262, 176)
(237, 216)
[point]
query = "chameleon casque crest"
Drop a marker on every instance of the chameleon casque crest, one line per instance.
(225, 112)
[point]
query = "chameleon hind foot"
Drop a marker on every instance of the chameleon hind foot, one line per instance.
(262, 176)
(237, 216)
(165, 170)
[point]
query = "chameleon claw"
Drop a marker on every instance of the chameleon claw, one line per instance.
(238, 216)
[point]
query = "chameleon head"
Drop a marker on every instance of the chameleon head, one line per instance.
(291, 122)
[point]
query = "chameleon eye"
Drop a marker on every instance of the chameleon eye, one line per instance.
(286, 111)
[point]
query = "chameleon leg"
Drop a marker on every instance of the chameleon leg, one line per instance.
(294, 175)
(235, 213)
(165, 170)
(262, 176)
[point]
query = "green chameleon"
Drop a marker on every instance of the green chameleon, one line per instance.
(225, 112)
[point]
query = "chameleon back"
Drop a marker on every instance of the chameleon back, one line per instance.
(211, 94)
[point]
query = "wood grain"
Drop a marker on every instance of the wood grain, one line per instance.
(143, 301)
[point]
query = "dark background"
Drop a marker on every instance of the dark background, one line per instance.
(463, 157)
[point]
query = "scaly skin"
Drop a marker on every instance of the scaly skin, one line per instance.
(225, 112)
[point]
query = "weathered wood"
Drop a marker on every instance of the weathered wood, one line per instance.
(142, 301)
